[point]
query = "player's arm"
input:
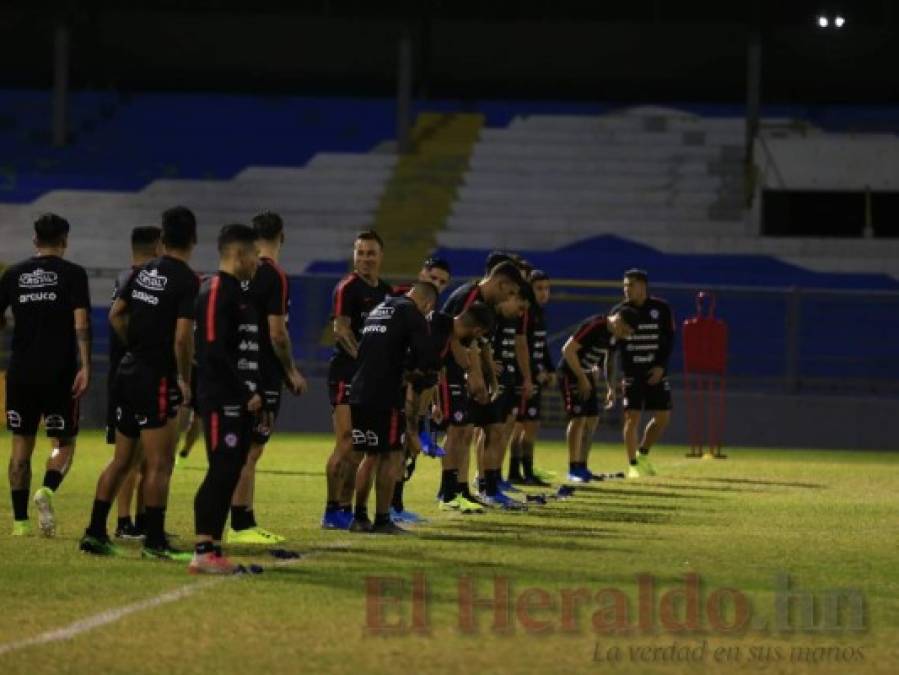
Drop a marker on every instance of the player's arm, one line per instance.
(81, 307)
(4, 299)
(83, 338)
(343, 334)
(281, 345)
(523, 357)
(569, 353)
(118, 319)
(184, 354)
(489, 365)
(666, 345)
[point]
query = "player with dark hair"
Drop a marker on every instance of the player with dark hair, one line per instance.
(644, 360)
(146, 244)
(228, 390)
(154, 317)
(269, 292)
(354, 297)
(521, 464)
(49, 367)
(395, 340)
(587, 350)
(466, 379)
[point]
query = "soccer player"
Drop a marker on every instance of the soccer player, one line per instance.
(436, 271)
(521, 464)
(146, 244)
(583, 353)
(154, 316)
(269, 292)
(354, 297)
(49, 367)
(496, 419)
(395, 340)
(644, 360)
(228, 390)
(466, 382)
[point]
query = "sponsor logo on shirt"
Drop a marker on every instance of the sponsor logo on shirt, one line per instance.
(43, 296)
(38, 279)
(152, 280)
(54, 423)
(231, 440)
(376, 328)
(246, 364)
(248, 346)
(144, 297)
(14, 419)
(381, 312)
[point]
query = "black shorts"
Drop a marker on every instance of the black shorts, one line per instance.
(531, 409)
(228, 429)
(341, 370)
(271, 403)
(496, 411)
(455, 400)
(145, 398)
(378, 431)
(28, 401)
(640, 395)
(575, 406)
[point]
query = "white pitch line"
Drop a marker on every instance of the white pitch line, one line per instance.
(109, 616)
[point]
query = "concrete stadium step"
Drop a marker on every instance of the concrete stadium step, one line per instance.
(589, 165)
(599, 195)
(594, 150)
(627, 210)
(579, 181)
(588, 226)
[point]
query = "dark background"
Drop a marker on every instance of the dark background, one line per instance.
(633, 50)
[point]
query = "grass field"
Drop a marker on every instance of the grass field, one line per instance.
(828, 519)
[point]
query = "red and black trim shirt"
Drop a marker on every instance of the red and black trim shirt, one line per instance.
(354, 298)
(595, 342)
(651, 343)
(269, 292)
(227, 345)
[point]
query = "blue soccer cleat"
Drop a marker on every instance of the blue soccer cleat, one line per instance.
(429, 445)
(408, 517)
(506, 486)
(336, 520)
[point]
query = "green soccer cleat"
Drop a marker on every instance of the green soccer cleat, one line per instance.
(645, 466)
(46, 518)
(634, 471)
(166, 553)
(544, 475)
(253, 536)
(21, 528)
(463, 505)
(98, 546)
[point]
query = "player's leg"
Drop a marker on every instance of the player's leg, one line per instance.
(95, 539)
(574, 436)
(634, 403)
(658, 403)
(590, 424)
(20, 480)
(124, 524)
(190, 423)
(515, 475)
(529, 431)
(335, 517)
(228, 441)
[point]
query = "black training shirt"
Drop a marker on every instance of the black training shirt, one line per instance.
(595, 342)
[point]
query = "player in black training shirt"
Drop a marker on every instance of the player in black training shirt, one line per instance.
(466, 385)
(229, 389)
(269, 292)
(521, 465)
(584, 353)
(395, 343)
(154, 317)
(146, 244)
(49, 367)
(354, 297)
(644, 363)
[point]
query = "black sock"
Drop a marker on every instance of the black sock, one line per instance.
(527, 464)
(19, 504)
(123, 522)
(204, 547)
(491, 482)
(239, 519)
(582, 465)
(644, 451)
(572, 467)
(382, 518)
(347, 508)
(331, 507)
(450, 485)
(482, 483)
(397, 502)
(251, 517)
(140, 521)
(633, 462)
(99, 515)
(52, 479)
(361, 513)
(514, 467)
(154, 517)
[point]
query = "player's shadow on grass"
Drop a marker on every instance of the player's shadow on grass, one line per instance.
(274, 472)
(753, 481)
(637, 492)
(526, 529)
